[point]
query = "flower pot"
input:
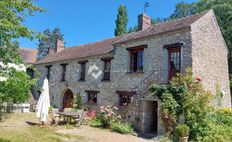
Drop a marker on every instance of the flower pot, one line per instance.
(183, 139)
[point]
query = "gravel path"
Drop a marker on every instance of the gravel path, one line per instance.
(100, 135)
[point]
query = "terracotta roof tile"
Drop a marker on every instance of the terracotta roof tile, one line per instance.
(85, 50)
(106, 46)
(169, 26)
(28, 55)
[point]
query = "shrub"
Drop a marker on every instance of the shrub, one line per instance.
(108, 115)
(194, 102)
(108, 118)
(182, 130)
(223, 116)
(122, 128)
(77, 101)
(169, 109)
(96, 123)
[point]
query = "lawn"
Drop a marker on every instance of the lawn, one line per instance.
(21, 127)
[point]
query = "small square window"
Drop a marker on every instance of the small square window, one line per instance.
(92, 97)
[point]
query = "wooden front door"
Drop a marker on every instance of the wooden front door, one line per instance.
(174, 62)
(68, 98)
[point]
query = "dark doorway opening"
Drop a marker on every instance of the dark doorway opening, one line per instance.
(151, 117)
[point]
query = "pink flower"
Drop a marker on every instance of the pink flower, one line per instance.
(116, 108)
(198, 79)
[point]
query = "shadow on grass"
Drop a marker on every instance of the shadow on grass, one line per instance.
(32, 123)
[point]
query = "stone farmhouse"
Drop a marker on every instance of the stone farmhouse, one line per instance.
(119, 70)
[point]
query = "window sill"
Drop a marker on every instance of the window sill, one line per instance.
(135, 74)
(106, 80)
(91, 104)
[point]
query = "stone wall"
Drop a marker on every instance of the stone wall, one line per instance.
(58, 88)
(155, 58)
(209, 55)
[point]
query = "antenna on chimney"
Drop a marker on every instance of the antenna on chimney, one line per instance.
(146, 5)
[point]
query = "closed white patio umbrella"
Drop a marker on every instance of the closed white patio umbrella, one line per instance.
(43, 103)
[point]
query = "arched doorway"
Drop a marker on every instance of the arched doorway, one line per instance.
(68, 98)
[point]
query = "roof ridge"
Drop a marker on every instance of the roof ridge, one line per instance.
(27, 48)
(178, 19)
(99, 41)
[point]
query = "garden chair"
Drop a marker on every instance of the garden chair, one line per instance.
(55, 117)
(79, 118)
(89, 115)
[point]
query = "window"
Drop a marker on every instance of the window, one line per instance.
(92, 97)
(82, 72)
(48, 71)
(125, 97)
(125, 100)
(174, 61)
(136, 58)
(107, 66)
(63, 75)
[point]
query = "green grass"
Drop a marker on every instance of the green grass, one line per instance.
(122, 128)
(15, 129)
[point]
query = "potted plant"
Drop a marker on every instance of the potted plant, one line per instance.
(182, 132)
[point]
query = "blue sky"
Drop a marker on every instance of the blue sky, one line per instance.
(84, 21)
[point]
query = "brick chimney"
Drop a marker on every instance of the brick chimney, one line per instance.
(144, 21)
(51, 51)
(59, 46)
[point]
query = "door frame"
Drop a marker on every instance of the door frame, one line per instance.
(67, 93)
(170, 51)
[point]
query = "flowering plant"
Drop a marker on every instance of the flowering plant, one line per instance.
(108, 114)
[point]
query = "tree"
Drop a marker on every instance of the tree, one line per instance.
(14, 82)
(121, 22)
(49, 41)
(12, 14)
(183, 9)
(133, 29)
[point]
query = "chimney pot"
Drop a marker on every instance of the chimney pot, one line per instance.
(144, 21)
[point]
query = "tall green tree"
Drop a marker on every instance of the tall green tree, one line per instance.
(49, 41)
(121, 22)
(12, 14)
(14, 82)
(184, 9)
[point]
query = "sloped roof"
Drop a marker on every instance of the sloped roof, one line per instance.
(106, 46)
(169, 26)
(85, 50)
(28, 55)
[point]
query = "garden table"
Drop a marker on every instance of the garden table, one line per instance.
(70, 115)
